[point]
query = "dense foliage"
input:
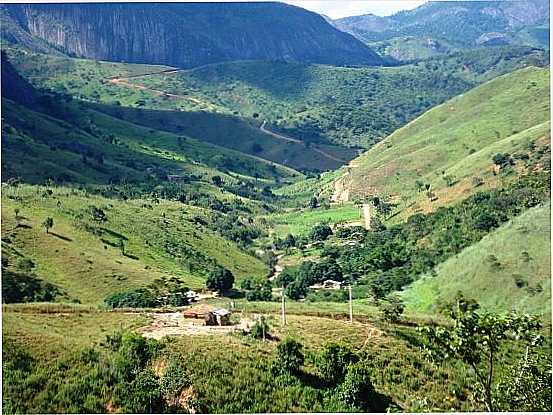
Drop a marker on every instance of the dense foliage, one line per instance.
(161, 292)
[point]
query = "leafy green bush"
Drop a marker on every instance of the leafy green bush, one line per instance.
(357, 390)
(332, 362)
(320, 232)
(392, 308)
(290, 357)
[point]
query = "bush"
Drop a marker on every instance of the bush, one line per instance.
(357, 390)
(333, 361)
(392, 308)
(220, 279)
(289, 356)
(320, 232)
(260, 330)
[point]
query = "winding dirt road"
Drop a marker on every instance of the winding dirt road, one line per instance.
(124, 81)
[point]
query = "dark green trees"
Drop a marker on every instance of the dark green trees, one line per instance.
(220, 279)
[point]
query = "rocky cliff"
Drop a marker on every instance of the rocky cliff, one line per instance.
(184, 34)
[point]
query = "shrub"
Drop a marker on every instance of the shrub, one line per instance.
(357, 390)
(290, 357)
(320, 232)
(392, 308)
(332, 362)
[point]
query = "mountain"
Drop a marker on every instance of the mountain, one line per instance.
(446, 154)
(439, 27)
(183, 34)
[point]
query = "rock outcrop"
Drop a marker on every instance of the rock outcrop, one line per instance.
(184, 34)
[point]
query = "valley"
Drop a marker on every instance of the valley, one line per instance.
(268, 211)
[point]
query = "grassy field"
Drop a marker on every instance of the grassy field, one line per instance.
(452, 144)
(82, 257)
(300, 222)
(516, 257)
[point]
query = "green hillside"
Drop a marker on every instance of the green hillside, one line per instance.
(508, 269)
(82, 256)
(347, 106)
(181, 114)
(314, 103)
(450, 148)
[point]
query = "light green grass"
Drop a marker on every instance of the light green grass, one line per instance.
(160, 236)
(475, 274)
(300, 222)
(457, 139)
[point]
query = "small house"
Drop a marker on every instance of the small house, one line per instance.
(332, 285)
(219, 317)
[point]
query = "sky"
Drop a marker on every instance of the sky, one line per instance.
(332, 8)
(343, 8)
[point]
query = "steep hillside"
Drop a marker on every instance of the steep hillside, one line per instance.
(184, 34)
(438, 27)
(446, 154)
(508, 269)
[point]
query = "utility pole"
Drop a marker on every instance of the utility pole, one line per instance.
(283, 308)
(350, 305)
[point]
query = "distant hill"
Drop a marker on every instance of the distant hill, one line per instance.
(509, 269)
(440, 27)
(448, 150)
(182, 34)
(318, 104)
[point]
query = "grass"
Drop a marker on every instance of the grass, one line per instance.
(300, 222)
(81, 256)
(51, 336)
(231, 373)
(458, 140)
(508, 269)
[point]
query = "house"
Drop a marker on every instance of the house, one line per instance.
(332, 285)
(219, 317)
(328, 285)
(199, 311)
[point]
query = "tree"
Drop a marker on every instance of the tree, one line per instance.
(357, 390)
(290, 357)
(313, 202)
(48, 224)
(392, 308)
(320, 232)
(220, 279)
(332, 362)
(296, 289)
(217, 181)
(502, 160)
(476, 339)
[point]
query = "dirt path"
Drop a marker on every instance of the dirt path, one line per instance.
(124, 81)
(295, 140)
